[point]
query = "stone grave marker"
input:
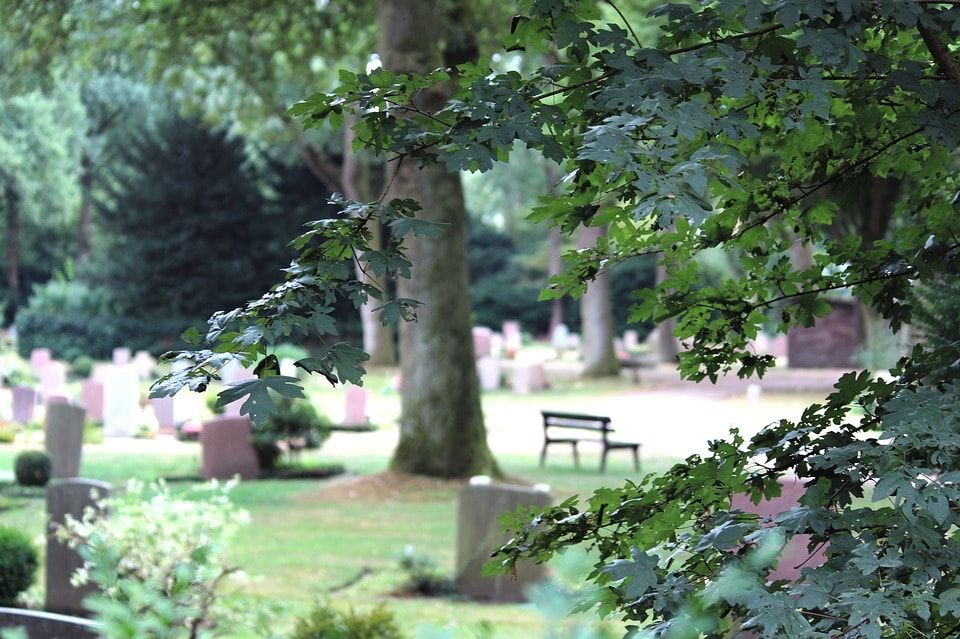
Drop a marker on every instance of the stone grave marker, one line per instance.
(560, 337)
(39, 358)
(56, 399)
(356, 410)
(24, 402)
(795, 556)
(121, 356)
(164, 409)
(631, 340)
(63, 434)
(47, 625)
(101, 372)
(53, 379)
(479, 505)
(144, 363)
(496, 345)
(91, 398)
(68, 497)
(488, 370)
(121, 401)
(226, 449)
(512, 337)
(527, 378)
(482, 337)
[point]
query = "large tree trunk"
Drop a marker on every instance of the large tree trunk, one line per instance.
(12, 198)
(86, 207)
(378, 339)
(554, 245)
(441, 427)
(667, 346)
(596, 318)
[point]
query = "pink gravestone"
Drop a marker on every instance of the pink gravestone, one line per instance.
(512, 338)
(39, 358)
(144, 363)
(528, 378)
(24, 401)
(488, 371)
(121, 356)
(795, 556)
(53, 379)
(91, 398)
(226, 449)
(356, 414)
(163, 410)
(482, 337)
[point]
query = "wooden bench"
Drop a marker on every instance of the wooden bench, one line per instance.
(592, 423)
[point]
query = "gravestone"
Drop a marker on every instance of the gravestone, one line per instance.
(91, 398)
(481, 341)
(496, 345)
(56, 399)
(528, 378)
(121, 401)
(68, 497)
(832, 342)
(356, 411)
(39, 358)
(488, 370)
(53, 379)
(226, 449)
(63, 434)
(47, 625)
(24, 402)
(121, 356)
(795, 556)
(144, 363)
(631, 340)
(560, 337)
(101, 372)
(478, 534)
(164, 409)
(512, 337)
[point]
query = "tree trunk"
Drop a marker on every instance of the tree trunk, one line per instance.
(378, 339)
(13, 242)
(667, 347)
(86, 207)
(596, 318)
(554, 243)
(441, 426)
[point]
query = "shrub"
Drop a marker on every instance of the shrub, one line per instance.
(92, 432)
(18, 564)
(32, 468)
(82, 366)
(7, 434)
(324, 622)
(296, 425)
(423, 575)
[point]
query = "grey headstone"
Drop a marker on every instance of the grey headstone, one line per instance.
(226, 449)
(68, 497)
(63, 433)
(46, 625)
(478, 535)
(24, 402)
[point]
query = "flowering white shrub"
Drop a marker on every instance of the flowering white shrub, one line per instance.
(148, 545)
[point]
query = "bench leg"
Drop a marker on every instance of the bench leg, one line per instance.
(636, 458)
(543, 455)
(576, 456)
(603, 459)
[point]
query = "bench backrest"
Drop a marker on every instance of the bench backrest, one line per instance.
(578, 421)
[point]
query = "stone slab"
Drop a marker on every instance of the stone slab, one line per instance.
(226, 449)
(63, 434)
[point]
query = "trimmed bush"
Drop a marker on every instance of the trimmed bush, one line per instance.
(32, 468)
(18, 564)
(296, 425)
(324, 622)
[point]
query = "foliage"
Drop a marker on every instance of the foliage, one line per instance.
(167, 588)
(936, 314)
(32, 468)
(423, 575)
(8, 434)
(81, 367)
(325, 622)
(295, 426)
(18, 564)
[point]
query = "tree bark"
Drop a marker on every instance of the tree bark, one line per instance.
(667, 347)
(441, 426)
(12, 198)
(596, 318)
(554, 241)
(86, 207)
(378, 340)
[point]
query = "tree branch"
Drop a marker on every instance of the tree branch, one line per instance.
(941, 54)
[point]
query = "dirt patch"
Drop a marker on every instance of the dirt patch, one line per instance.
(386, 486)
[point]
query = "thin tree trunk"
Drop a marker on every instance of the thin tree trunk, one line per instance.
(378, 339)
(441, 426)
(13, 242)
(554, 241)
(86, 207)
(596, 318)
(667, 347)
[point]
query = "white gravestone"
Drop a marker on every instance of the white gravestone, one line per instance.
(121, 401)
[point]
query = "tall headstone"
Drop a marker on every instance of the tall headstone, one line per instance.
(121, 402)
(24, 402)
(356, 412)
(164, 409)
(121, 356)
(482, 337)
(560, 337)
(144, 363)
(631, 340)
(63, 434)
(91, 398)
(39, 358)
(496, 345)
(226, 449)
(795, 556)
(68, 497)
(478, 534)
(53, 379)
(49, 400)
(528, 378)
(512, 337)
(488, 370)
(101, 372)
